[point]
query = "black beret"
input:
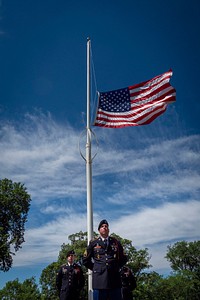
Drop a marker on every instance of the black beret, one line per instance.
(101, 223)
(71, 252)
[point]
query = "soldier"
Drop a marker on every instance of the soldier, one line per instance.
(128, 283)
(70, 279)
(105, 257)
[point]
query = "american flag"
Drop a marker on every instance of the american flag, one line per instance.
(135, 105)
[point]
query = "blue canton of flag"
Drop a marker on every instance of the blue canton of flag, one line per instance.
(115, 101)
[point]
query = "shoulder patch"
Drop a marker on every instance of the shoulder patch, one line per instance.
(92, 242)
(94, 239)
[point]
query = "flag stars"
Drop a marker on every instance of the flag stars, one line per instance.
(127, 107)
(115, 101)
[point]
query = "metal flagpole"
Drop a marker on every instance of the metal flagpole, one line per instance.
(89, 169)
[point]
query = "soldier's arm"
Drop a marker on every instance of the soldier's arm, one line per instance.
(59, 279)
(87, 257)
(81, 279)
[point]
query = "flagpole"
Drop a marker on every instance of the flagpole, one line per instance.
(89, 170)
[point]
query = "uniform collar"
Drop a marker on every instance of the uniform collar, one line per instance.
(104, 238)
(70, 265)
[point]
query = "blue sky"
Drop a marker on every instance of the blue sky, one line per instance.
(145, 179)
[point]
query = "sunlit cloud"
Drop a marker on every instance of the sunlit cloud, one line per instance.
(43, 155)
(149, 228)
(169, 221)
(148, 190)
(44, 243)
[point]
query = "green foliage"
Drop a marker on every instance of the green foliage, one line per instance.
(127, 244)
(48, 283)
(15, 204)
(14, 290)
(47, 279)
(180, 286)
(184, 256)
(78, 244)
(183, 284)
(138, 260)
(148, 286)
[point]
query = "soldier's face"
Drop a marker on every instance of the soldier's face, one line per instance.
(104, 230)
(71, 258)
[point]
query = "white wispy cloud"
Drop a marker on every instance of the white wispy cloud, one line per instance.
(43, 155)
(154, 228)
(166, 222)
(44, 243)
(146, 185)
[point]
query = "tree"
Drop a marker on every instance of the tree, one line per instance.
(184, 256)
(138, 262)
(148, 287)
(183, 286)
(78, 244)
(48, 276)
(185, 261)
(27, 290)
(48, 282)
(15, 204)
